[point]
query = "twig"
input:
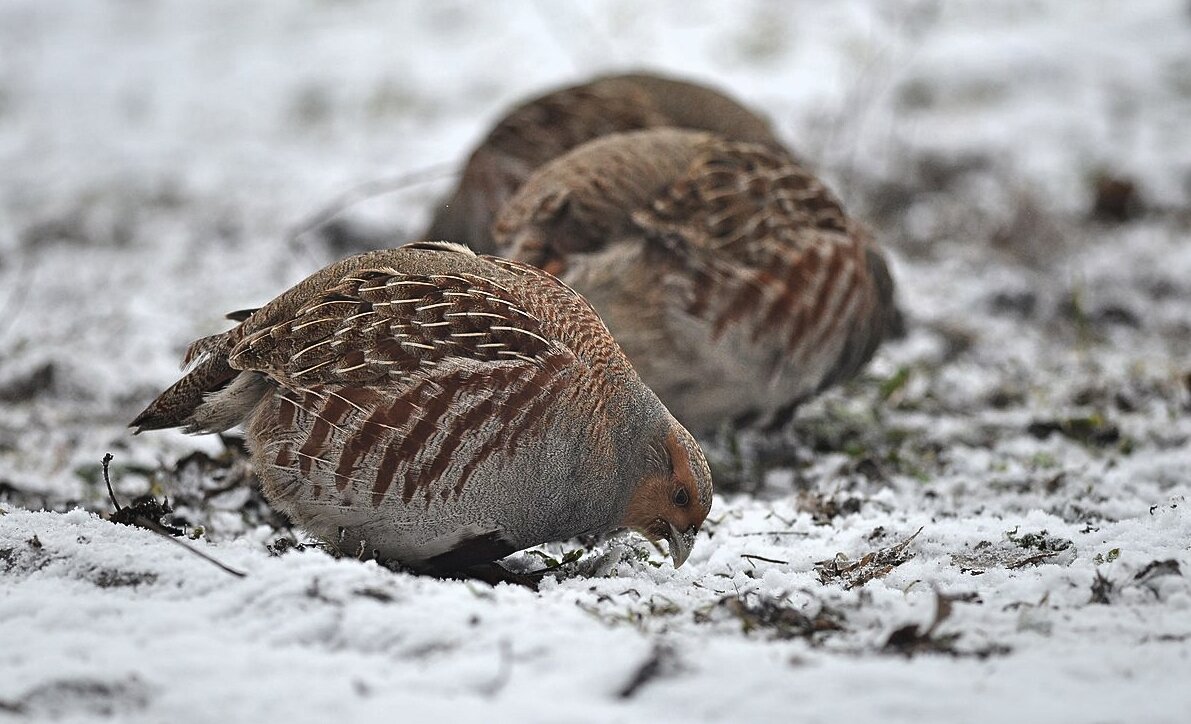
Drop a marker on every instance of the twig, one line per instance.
(155, 527)
(649, 670)
(800, 533)
(773, 514)
(18, 296)
(366, 190)
(107, 459)
(1036, 558)
(753, 557)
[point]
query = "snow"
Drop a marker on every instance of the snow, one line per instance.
(1034, 424)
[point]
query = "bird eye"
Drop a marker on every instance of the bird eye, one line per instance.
(681, 497)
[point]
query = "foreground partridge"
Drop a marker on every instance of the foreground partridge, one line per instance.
(730, 275)
(546, 127)
(443, 409)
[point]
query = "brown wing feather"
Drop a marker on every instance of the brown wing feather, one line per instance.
(698, 107)
(729, 246)
(759, 240)
(569, 317)
(755, 242)
(583, 200)
(378, 324)
(552, 124)
(527, 137)
(735, 196)
(546, 127)
(384, 317)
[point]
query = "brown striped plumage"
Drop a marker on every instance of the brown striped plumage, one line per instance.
(729, 274)
(443, 409)
(548, 126)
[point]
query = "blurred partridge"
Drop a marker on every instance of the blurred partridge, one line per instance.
(443, 409)
(730, 276)
(549, 126)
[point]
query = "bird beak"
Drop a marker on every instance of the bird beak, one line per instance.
(681, 543)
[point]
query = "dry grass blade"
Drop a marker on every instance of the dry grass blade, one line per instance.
(367, 190)
(147, 513)
(660, 659)
(876, 564)
(1030, 560)
(910, 639)
(754, 557)
(776, 616)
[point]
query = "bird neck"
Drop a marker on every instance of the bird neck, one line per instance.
(638, 439)
(619, 450)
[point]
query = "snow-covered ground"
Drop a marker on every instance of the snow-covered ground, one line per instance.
(1018, 467)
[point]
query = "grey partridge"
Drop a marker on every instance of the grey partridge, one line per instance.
(729, 274)
(443, 409)
(548, 126)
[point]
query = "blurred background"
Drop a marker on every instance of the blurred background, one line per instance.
(1027, 163)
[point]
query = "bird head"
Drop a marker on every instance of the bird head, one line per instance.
(674, 496)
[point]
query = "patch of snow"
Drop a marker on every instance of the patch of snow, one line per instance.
(1035, 424)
